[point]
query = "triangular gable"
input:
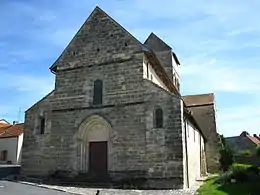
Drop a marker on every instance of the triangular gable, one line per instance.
(4, 121)
(156, 44)
(91, 33)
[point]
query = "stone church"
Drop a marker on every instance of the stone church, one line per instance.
(116, 110)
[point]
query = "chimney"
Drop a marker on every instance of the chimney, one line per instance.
(15, 122)
(257, 136)
(244, 134)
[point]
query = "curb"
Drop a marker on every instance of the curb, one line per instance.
(46, 187)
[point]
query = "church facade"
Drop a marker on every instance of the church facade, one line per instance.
(116, 109)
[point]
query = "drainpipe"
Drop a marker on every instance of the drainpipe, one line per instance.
(186, 152)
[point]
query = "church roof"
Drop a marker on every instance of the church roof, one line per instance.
(202, 108)
(158, 45)
(198, 99)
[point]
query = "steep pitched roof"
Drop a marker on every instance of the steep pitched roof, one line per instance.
(242, 142)
(202, 108)
(4, 121)
(96, 11)
(199, 99)
(254, 139)
(11, 130)
(157, 44)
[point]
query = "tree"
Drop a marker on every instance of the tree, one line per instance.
(226, 156)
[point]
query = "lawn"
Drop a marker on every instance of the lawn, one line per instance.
(211, 188)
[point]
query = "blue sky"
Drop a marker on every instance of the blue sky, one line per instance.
(217, 42)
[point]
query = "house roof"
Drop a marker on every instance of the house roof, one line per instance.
(254, 139)
(4, 121)
(11, 130)
(242, 142)
(199, 99)
(202, 108)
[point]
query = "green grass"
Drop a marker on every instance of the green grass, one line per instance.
(211, 188)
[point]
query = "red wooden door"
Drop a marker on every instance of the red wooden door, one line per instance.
(98, 157)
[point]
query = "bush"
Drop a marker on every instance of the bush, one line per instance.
(258, 151)
(240, 173)
(245, 152)
(224, 178)
(226, 156)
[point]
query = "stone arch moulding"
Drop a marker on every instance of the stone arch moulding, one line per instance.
(95, 128)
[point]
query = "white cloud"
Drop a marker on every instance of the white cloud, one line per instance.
(40, 85)
(233, 120)
(215, 75)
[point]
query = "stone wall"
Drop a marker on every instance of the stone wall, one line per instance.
(164, 145)
(36, 147)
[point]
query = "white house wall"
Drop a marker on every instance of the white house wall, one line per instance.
(194, 144)
(176, 68)
(151, 75)
(9, 144)
(19, 148)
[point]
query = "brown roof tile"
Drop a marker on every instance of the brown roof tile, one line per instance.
(11, 130)
(199, 99)
(202, 108)
(253, 139)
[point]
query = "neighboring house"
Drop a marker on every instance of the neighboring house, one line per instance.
(11, 140)
(116, 110)
(243, 142)
(202, 107)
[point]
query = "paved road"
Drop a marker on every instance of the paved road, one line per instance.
(12, 188)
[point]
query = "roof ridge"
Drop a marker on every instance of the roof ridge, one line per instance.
(157, 37)
(199, 94)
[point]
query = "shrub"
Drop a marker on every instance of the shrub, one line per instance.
(258, 151)
(224, 178)
(226, 156)
(246, 152)
(240, 173)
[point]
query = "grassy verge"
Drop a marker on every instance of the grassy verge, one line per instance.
(211, 188)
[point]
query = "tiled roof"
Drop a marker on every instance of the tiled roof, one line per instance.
(253, 139)
(4, 125)
(11, 130)
(199, 100)
(202, 108)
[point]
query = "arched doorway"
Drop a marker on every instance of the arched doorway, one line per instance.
(94, 145)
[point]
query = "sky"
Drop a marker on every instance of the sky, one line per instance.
(217, 43)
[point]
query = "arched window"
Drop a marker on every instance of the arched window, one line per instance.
(158, 119)
(98, 92)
